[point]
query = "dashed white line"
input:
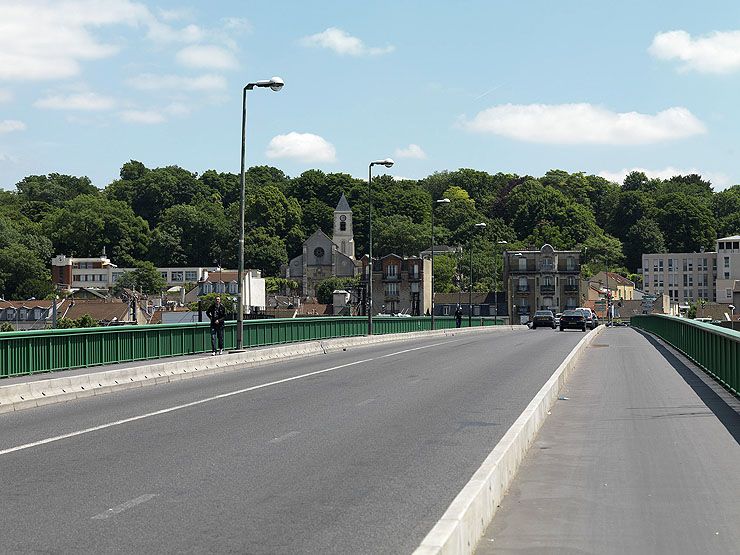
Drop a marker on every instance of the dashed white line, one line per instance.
(125, 506)
(365, 402)
(209, 399)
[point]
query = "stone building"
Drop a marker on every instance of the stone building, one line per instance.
(541, 279)
(323, 256)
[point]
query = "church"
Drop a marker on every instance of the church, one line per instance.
(324, 257)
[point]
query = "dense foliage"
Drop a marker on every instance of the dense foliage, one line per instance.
(173, 217)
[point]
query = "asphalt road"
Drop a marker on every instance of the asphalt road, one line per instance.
(349, 452)
(641, 458)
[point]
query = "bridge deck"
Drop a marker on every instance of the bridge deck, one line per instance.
(642, 457)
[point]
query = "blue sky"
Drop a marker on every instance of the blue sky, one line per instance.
(522, 87)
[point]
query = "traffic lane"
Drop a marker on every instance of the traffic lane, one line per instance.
(358, 461)
(30, 425)
(633, 462)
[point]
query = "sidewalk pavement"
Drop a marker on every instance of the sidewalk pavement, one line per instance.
(640, 455)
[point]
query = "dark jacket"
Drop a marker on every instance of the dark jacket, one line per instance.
(217, 314)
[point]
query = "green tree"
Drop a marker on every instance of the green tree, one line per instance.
(145, 279)
(264, 252)
(726, 209)
(148, 279)
(400, 235)
(86, 224)
(280, 285)
(22, 274)
(39, 194)
(190, 235)
(149, 192)
(326, 287)
(643, 237)
(445, 267)
(687, 225)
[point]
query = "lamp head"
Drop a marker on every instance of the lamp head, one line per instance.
(387, 163)
(444, 201)
(276, 83)
(481, 225)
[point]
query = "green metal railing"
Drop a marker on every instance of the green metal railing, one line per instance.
(29, 352)
(714, 348)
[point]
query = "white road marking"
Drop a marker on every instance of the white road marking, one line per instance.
(365, 402)
(127, 505)
(207, 400)
(283, 437)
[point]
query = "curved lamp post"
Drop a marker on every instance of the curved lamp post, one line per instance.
(387, 163)
(275, 84)
(479, 226)
(438, 201)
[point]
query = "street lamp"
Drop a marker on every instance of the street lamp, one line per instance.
(275, 84)
(470, 292)
(387, 163)
(438, 201)
(495, 281)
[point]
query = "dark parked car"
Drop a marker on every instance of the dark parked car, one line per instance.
(592, 321)
(543, 318)
(573, 319)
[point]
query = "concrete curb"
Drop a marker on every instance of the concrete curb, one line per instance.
(56, 390)
(470, 513)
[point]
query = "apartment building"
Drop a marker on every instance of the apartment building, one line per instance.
(541, 279)
(400, 284)
(694, 276)
(99, 272)
(728, 268)
(684, 277)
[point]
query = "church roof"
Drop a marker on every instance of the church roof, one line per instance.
(343, 205)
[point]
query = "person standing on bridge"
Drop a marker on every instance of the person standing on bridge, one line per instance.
(458, 316)
(217, 314)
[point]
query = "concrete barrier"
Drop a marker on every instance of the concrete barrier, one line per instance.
(37, 393)
(470, 513)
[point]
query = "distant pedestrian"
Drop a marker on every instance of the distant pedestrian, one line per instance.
(217, 314)
(458, 316)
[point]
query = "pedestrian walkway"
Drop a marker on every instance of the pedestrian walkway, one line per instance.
(640, 455)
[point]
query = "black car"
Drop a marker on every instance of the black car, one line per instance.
(543, 318)
(573, 319)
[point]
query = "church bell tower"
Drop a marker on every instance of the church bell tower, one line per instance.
(343, 234)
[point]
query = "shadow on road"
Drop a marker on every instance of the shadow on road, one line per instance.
(722, 403)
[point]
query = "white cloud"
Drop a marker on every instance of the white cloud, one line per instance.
(49, 39)
(718, 180)
(153, 82)
(147, 117)
(10, 125)
(206, 56)
(305, 147)
(584, 124)
(342, 42)
(88, 101)
(718, 52)
(237, 24)
(411, 151)
(5, 95)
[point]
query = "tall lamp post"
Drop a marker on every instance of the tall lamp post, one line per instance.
(275, 84)
(470, 292)
(387, 163)
(495, 280)
(438, 201)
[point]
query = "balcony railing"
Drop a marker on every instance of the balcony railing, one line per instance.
(522, 288)
(571, 288)
(390, 277)
(547, 267)
(547, 289)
